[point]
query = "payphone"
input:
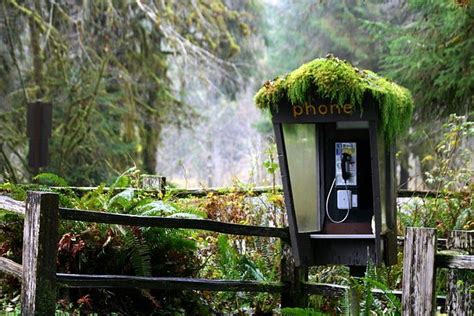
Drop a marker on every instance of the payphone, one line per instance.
(341, 221)
(346, 175)
(347, 188)
(335, 127)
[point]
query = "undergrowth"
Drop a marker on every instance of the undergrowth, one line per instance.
(93, 248)
(116, 249)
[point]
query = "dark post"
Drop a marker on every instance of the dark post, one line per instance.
(459, 300)
(38, 124)
(40, 237)
(294, 276)
(419, 272)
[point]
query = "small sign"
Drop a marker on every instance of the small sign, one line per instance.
(322, 109)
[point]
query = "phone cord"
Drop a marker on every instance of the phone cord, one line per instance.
(327, 205)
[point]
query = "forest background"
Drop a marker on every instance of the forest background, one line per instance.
(167, 86)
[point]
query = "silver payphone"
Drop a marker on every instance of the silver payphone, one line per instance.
(344, 180)
(348, 198)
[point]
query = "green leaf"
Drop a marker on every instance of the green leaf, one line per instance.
(155, 208)
(50, 179)
(122, 199)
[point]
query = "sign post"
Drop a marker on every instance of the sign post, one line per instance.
(38, 122)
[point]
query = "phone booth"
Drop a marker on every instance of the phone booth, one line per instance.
(335, 128)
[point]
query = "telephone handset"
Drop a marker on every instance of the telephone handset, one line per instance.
(345, 166)
(346, 175)
(346, 163)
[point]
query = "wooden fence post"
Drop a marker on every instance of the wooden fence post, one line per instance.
(153, 182)
(418, 297)
(40, 238)
(294, 276)
(459, 299)
(355, 294)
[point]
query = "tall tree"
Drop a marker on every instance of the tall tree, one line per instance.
(308, 29)
(432, 53)
(424, 45)
(104, 66)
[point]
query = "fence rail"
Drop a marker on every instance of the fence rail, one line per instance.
(167, 283)
(452, 259)
(11, 267)
(197, 192)
(40, 280)
(11, 205)
(167, 222)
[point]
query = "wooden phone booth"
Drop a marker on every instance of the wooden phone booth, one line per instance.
(335, 128)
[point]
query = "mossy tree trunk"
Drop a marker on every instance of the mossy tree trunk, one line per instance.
(37, 53)
(152, 130)
(95, 61)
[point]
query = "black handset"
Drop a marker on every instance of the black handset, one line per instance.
(345, 166)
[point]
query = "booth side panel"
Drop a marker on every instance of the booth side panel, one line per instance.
(299, 242)
(390, 248)
(377, 206)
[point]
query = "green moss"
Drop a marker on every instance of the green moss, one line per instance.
(338, 81)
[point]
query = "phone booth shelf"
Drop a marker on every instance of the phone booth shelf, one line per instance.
(335, 128)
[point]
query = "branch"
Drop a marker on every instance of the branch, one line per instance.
(186, 47)
(12, 51)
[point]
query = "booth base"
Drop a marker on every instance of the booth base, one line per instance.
(350, 250)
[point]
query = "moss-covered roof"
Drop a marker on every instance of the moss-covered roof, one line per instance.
(338, 81)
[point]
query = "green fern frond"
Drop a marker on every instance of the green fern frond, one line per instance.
(124, 180)
(50, 179)
(139, 253)
(121, 201)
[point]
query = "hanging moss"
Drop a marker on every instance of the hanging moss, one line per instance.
(338, 81)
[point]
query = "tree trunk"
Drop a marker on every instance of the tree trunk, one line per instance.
(404, 173)
(151, 136)
(36, 50)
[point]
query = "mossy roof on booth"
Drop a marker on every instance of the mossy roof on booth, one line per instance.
(337, 80)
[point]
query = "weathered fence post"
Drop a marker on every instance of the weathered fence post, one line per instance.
(294, 276)
(153, 182)
(418, 287)
(40, 237)
(459, 299)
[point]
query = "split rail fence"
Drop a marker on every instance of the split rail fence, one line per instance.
(40, 281)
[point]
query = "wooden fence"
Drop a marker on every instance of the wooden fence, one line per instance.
(40, 280)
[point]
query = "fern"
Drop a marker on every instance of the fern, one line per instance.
(124, 180)
(139, 253)
(364, 287)
(122, 201)
(155, 208)
(250, 269)
(50, 179)
(368, 302)
(228, 258)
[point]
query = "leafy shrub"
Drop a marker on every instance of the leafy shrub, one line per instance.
(450, 175)
(91, 248)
